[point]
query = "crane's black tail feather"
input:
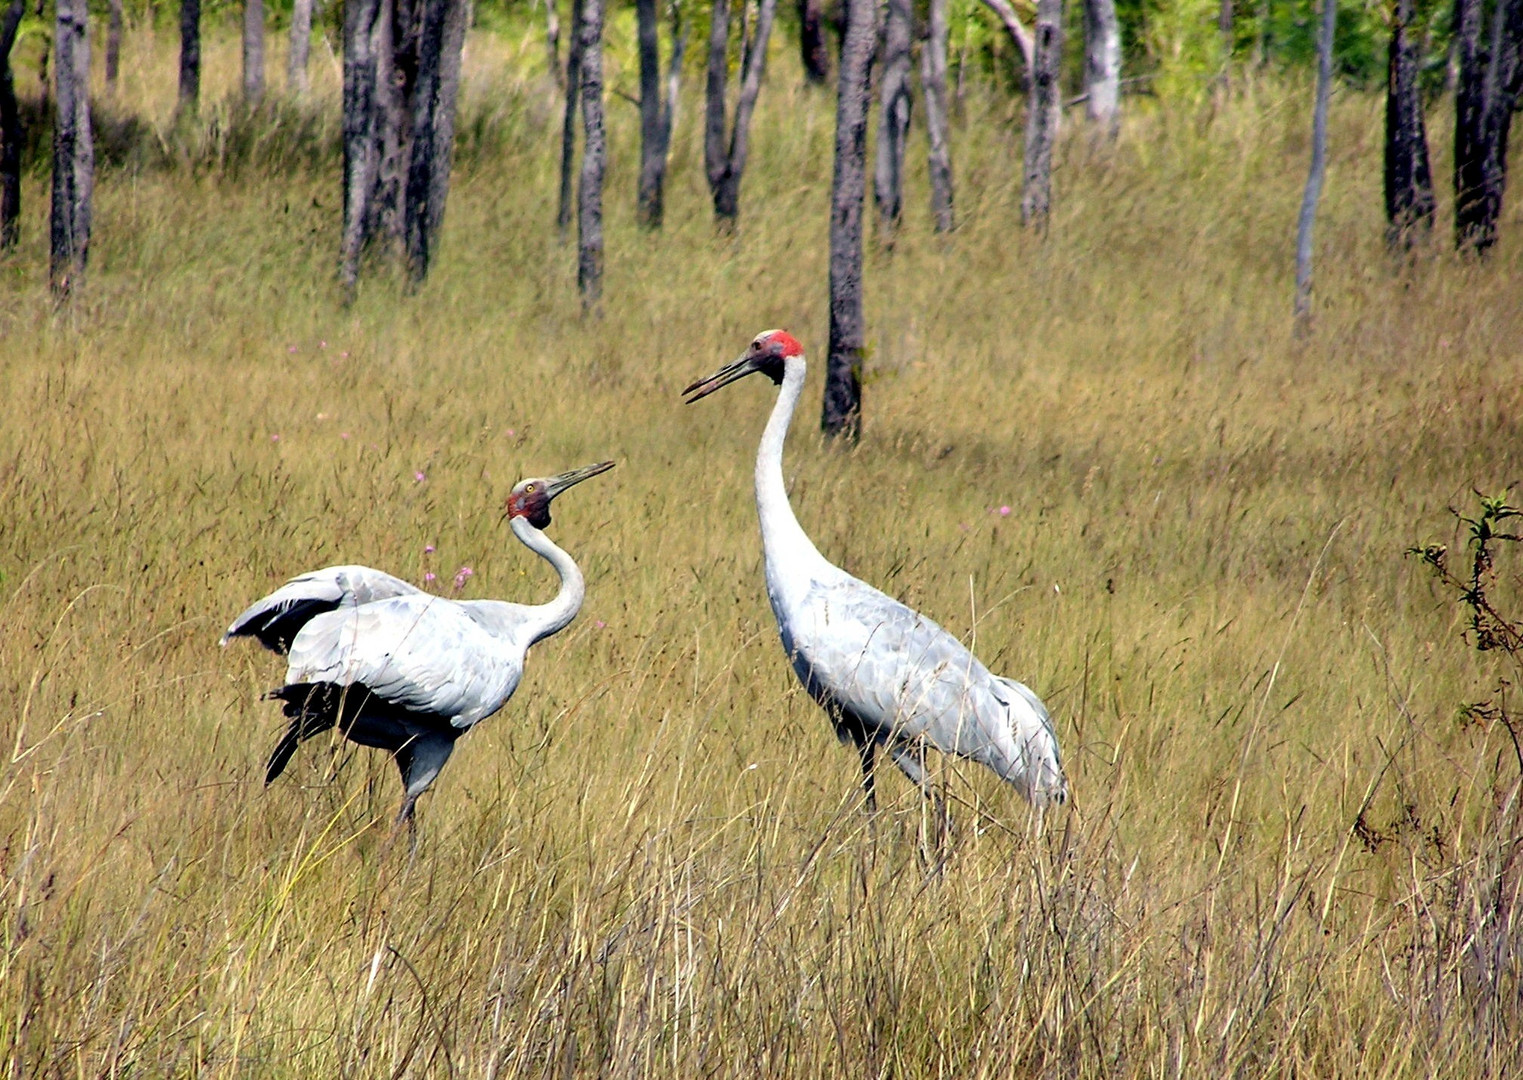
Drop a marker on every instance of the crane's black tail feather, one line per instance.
(312, 709)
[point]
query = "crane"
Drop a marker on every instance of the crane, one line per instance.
(401, 669)
(884, 674)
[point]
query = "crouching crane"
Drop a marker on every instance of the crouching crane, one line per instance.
(401, 669)
(885, 675)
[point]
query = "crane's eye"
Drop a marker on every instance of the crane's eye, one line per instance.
(529, 489)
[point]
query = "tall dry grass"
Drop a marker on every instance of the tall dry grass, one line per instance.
(653, 862)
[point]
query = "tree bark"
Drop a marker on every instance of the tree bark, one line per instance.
(432, 138)
(893, 117)
(253, 51)
(190, 55)
(1018, 32)
(1043, 112)
(367, 64)
(1102, 66)
(1314, 176)
(298, 82)
(113, 43)
(553, 44)
(11, 132)
(812, 51)
(589, 217)
(73, 150)
(1409, 199)
(725, 166)
(568, 122)
(933, 77)
(648, 199)
(842, 412)
(1490, 47)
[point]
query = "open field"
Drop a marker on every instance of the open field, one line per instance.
(653, 862)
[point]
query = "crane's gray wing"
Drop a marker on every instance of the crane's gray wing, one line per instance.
(905, 678)
(420, 652)
(278, 618)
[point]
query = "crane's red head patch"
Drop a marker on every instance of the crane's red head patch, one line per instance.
(784, 343)
(531, 499)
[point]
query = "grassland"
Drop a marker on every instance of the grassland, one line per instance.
(653, 862)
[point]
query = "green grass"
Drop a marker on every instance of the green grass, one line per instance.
(653, 861)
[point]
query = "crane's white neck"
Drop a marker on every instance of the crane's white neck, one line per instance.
(783, 540)
(547, 619)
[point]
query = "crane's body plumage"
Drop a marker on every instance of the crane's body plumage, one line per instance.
(885, 674)
(401, 669)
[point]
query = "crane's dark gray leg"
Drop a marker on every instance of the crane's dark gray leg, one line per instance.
(911, 762)
(866, 749)
(419, 761)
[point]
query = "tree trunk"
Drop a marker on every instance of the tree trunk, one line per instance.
(842, 413)
(723, 166)
(933, 77)
(1318, 163)
(553, 44)
(1490, 70)
(589, 216)
(253, 51)
(113, 43)
(73, 150)
(1102, 66)
(367, 56)
(432, 140)
(11, 133)
(648, 200)
(190, 54)
(893, 117)
(298, 82)
(1408, 179)
(1043, 112)
(812, 51)
(568, 122)
(1018, 33)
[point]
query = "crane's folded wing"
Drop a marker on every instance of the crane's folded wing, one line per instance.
(278, 618)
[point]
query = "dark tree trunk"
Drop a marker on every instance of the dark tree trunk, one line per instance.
(1408, 179)
(1490, 45)
(655, 115)
(725, 165)
(253, 51)
(367, 66)
(11, 133)
(1044, 107)
(568, 122)
(933, 77)
(812, 50)
(893, 117)
(432, 138)
(1314, 176)
(1102, 66)
(73, 150)
(589, 213)
(190, 54)
(297, 81)
(842, 413)
(113, 43)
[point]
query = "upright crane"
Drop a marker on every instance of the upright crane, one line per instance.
(885, 675)
(401, 669)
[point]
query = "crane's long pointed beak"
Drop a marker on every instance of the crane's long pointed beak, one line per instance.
(723, 377)
(557, 484)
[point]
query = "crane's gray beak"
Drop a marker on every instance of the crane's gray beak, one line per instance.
(723, 377)
(557, 484)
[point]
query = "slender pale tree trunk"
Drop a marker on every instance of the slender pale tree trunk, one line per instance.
(298, 82)
(11, 133)
(1044, 108)
(113, 43)
(1490, 54)
(812, 51)
(190, 55)
(553, 44)
(589, 216)
(1018, 33)
(432, 137)
(725, 165)
(1408, 179)
(1102, 66)
(568, 121)
(253, 51)
(893, 117)
(73, 149)
(842, 412)
(1314, 176)
(933, 77)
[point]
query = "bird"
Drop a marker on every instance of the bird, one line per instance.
(401, 669)
(886, 675)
